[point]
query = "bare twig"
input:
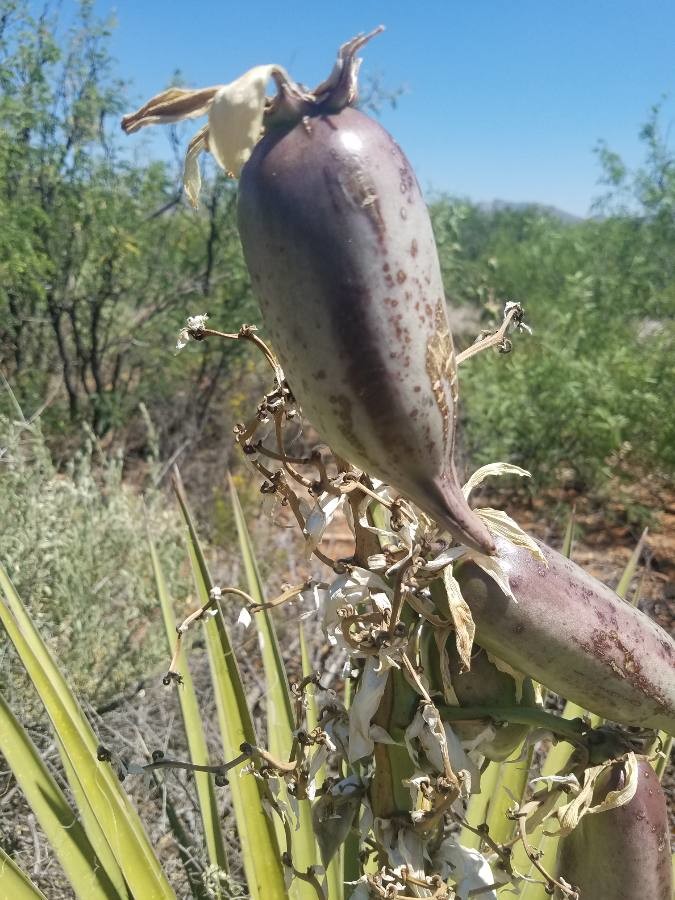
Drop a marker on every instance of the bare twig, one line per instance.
(513, 315)
(533, 855)
(245, 333)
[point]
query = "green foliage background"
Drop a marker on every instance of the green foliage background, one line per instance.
(589, 395)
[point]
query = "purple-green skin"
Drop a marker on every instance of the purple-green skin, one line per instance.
(339, 245)
(623, 853)
(574, 635)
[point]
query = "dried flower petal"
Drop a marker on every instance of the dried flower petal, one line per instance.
(459, 612)
(364, 706)
(235, 112)
(498, 468)
(467, 867)
(570, 814)
(319, 518)
(501, 525)
(235, 118)
(193, 323)
(244, 618)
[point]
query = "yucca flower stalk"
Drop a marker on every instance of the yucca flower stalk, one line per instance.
(339, 246)
(411, 744)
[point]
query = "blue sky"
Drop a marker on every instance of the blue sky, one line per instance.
(504, 98)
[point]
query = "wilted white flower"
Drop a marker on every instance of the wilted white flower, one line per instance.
(193, 323)
(498, 468)
(439, 741)
(571, 813)
(499, 524)
(570, 781)
(443, 559)
(497, 567)
(405, 848)
(319, 518)
(235, 112)
(364, 706)
(312, 598)
(361, 888)
(377, 562)
(467, 867)
(244, 619)
(336, 726)
(350, 589)
(320, 755)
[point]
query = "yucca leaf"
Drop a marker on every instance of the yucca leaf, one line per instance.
(351, 864)
(477, 807)
(570, 532)
(14, 883)
(109, 804)
(91, 825)
(194, 731)
(512, 782)
(53, 812)
(280, 720)
(334, 870)
(280, 723)
(500, 783)
(631, 566)
(260, 850)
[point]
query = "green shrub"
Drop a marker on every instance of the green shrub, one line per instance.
(74, 544)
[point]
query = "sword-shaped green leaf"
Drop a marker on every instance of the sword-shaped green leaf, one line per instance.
(53, 812)
(14, 883)
(631, 566)
(109, 804)
(280, 721)
(194, 732)
(570, 533)
(334, 870)
(260, 850)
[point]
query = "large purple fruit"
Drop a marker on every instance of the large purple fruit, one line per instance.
(575, 635)
(622, 853)
(339, 245)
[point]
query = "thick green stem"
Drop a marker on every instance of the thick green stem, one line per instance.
(572, 730)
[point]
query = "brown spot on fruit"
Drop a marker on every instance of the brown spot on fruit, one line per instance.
(401, 276)
(440, 366)
(414, 248)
